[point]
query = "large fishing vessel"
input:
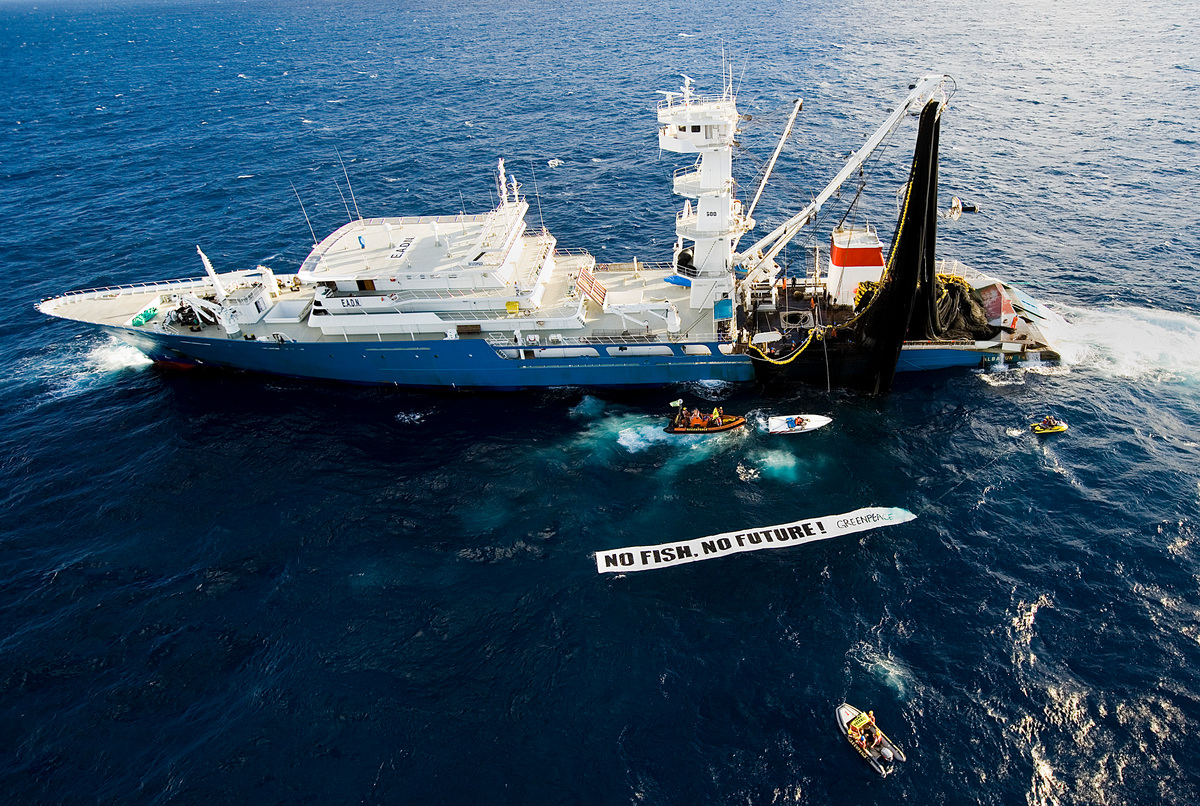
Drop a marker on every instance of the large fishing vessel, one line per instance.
(485, 302)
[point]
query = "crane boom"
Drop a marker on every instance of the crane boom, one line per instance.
(787, 130)
(759, 257)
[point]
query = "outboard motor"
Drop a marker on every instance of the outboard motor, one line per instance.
(886, 752)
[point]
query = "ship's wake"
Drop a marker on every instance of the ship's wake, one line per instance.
(1127, 342)
(1116, 342)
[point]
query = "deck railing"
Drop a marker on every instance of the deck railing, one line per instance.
(137, 288)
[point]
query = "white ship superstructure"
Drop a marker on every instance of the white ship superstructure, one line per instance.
(708, 230)
(470, 301)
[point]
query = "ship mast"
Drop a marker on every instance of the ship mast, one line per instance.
(707, 233)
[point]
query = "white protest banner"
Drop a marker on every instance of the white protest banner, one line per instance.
(640, 558)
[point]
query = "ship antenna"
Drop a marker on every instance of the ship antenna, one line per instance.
(343, 195)
(726, 72)
(347, 175)
(310, 229)
(537, 195)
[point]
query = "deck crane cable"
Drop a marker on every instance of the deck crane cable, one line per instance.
(818, 331)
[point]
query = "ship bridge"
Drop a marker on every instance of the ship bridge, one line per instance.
(460, 252)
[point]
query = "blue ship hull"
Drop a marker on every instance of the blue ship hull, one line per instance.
(472, 364)
(444, 364)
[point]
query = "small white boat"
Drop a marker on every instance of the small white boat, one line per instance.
(797, 423)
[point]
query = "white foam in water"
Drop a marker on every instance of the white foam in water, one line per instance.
(115, 356)
(1036, 367)
(777, 465)
(887, 669)
(1117, 343)
(760, 420)
(1132, 343)
(588, 409)
(642, 437)
(638, 434)
(893, 674)
(82, 366)
(747, 473)
(1002, 375)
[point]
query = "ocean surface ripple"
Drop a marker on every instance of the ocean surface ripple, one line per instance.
(218, 587)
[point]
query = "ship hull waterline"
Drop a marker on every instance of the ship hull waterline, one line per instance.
(470, 364)
(457, 363)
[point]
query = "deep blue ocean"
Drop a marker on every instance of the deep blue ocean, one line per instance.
(227, 588)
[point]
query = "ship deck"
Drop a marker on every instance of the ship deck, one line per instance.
(631, 283)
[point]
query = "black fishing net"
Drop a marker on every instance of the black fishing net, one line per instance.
(956, 312)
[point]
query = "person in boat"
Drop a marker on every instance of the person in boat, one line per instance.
(681, 417)
(716, 417)
(1049, 422)
(698, 419)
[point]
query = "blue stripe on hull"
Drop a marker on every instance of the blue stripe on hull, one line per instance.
(921, 360)
(466, 363)
(470, 363)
